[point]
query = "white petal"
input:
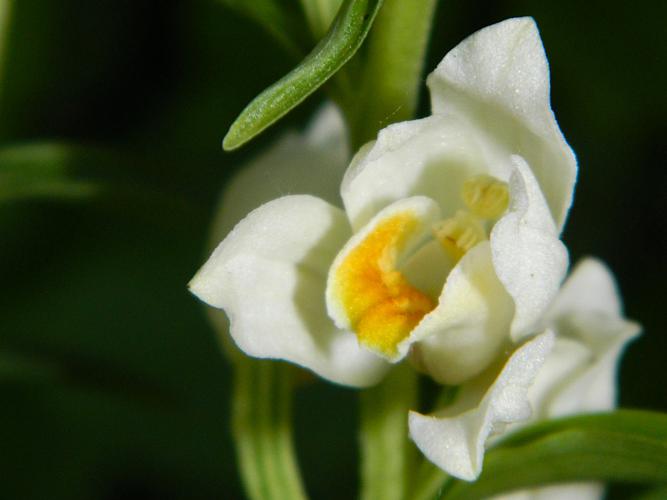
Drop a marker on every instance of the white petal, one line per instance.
(428, 268)
(430, 157)
(498, 80)
(591, 386)
(566, 358)
(269, 276)
(312, 162)
(580, 374)
(528, 257)
(465, 332)
(590, 287)
(455, 442)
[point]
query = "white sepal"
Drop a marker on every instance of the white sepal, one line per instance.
(455, 440)
(466, 330)
(497, 80)
(528, 257)
(269, 275)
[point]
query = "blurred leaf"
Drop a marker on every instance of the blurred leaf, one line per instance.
(65, 64)
(262, 429)
(319, 14)
(625, 446)
(14, 366)
(5, 13)
(50, 366)
(659, 493)
(68, 172)
(40, 170)
(6, 7)
(276, 17)
(649, 424)
(345, 36)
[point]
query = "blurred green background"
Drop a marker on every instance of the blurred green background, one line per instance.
(112, 384)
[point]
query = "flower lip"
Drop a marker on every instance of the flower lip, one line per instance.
(366, 292)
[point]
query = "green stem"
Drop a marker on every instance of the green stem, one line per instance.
(261, 422)
(429, 482)
(385, 450)
(388, 90)
(392, 72)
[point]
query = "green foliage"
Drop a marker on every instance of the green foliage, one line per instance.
(344, 37)
(112, 382)
(279, 18)
(262, 429)
(389, 79)
(624, 446)
(41, 170)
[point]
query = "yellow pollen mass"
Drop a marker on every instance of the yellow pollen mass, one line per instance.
(486, 196)
(459, 234)
(381, 305)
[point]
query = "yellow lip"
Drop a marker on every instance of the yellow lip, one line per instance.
(382, 307)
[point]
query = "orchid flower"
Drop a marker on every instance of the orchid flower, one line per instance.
(574, 375)
(580, 373)
(445, 252)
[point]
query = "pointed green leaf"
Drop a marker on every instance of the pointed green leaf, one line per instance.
(344, 37)
(624, 446)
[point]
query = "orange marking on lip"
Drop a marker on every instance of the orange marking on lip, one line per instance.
(382, 306)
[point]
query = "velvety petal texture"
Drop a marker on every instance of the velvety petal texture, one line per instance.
(312, 162)
(447, 252)
(273, 315)
(269, 275)
(528, 257)
(285, 167)
(466, 331)
(497, 80)
(576, 373)
(454, 439)
(580, 375)
(367, 293)
(429, 157)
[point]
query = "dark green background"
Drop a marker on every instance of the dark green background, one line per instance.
(112, 384)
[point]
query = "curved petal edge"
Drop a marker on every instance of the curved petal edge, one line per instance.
(269, 275)
(456, 444)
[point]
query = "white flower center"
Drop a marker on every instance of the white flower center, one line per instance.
(374, 289)
(486, 198)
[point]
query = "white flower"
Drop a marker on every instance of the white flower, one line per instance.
(579, 374)
(447, 239)
(447, 250)
(570, 372)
